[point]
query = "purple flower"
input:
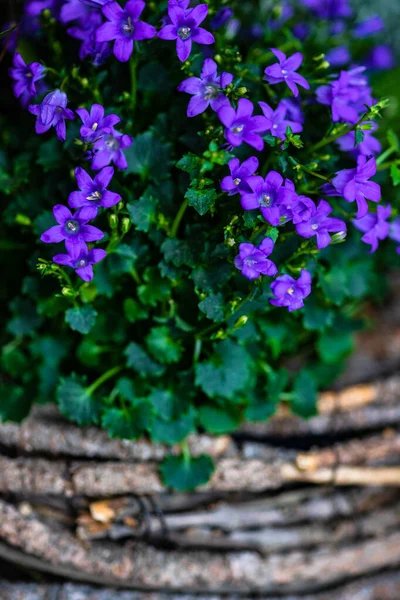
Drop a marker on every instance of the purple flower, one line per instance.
(289, 292)
(320, 225)
(81, 259)
(94, 3)
(236, 182)
(25, 77)
(93, 191)
(179, 3)
(52, 112)
(95, 123)
(368, 27)
(293, 108)
(241, 126)
(354, 184)
(380, 58)
(253, 261)
(294, 207)
(394, 232)
(374, 226)
(285, 71)
(75, 10)
(184, 28)
(368, 147)
(97, 51)
(346, 96)
(221, 17)
(329, 9)
(124, 27)
(279, 123)
(285, 13)
(72, 228)
(267, 194)
(205, 89)
(337, 57)
(109, 148)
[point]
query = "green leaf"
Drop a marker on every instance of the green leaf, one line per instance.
(134, 311)
(304, 402)
(201, 200)
(190, 163)
(316, 318)
(75, 403)
(49, 155)
(178, 253)
(184, 475)
(162, 346)
(25, 319)
(148, 157)
(334, 345)
(359, 137)
(218, 420)
(15, 403)
(140, 361)
(173, 432)
(155, 290)
(143, 212)
(277, 382)
(81, 319)
(129, 423)
(395, 174)
(334, 284)
(226, 373)
(163, 403)
(213, 307)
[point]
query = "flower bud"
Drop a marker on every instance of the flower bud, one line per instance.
(67, 292)
(125, 224)
(338, 237)
(242, 91)
(120, 205)
(113, 221)
(241, 322)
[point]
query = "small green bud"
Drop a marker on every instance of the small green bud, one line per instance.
(120, 205)
(218, 58)
(23, 220)
(113, 221)
(46, 13)
(242, 91)
(125, 224)
(241, 322)
(85, 82)
(67, 292)
(338, 237)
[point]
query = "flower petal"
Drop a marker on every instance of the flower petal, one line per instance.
(61, 213)
(183, 48)
(83, 179)
(53, 235)
(123, 49)
(103, 178)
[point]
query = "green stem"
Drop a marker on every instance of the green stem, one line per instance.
(314, 174)
(132, 68)
(387, 165)
(211, 328)
(197, 350)
(178, 218)
(185, 451)
(69, 283)
(135, 276)
(382, 157)
(107, 375)
(343, 131)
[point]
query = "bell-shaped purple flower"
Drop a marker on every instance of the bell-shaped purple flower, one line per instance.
(93, 192)
(294, 207)
(321, 225)
(329, 9)
(222, 17)
(368, 147)
(267, 194)
(184, 28)
(72, 228)
(374, 226)
(241, 126)
(52, 112)
(206, 89)
(254, 262)
(339, 56)
(25, 78)
(236, 182)
(354, 184)
(346, 96)
(75, 10)
(285, 71)
(95, 123)
(368, 27)
(279, 122)
(81, 259)
(380, 58)
(289, 292)
(124, 27)
(109, 148)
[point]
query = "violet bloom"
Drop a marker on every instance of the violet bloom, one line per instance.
(369, 27)
(294, 207)
(221, 18)
(253, 261)
(320, 225)
(329, 9)
(285, 71)
(374, 226)
(52, 112)
(75, 10)
(81, 259)
(72, 228)
(124, 27)
(380, 58)
(98, 52)
(293, 108)
(109, 148)
(236, 182)
(95, 123)
(266, 195)
(241, 126)
(289, 292)
(278, 20)
(346, 96)
(368, 147)
(337, 57)
(279, 123)
(25, 77)
(184, 28)
(354, 184)
(205, 89)
(93, 192)
(179, 3)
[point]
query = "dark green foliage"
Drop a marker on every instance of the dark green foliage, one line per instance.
(186, 474)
